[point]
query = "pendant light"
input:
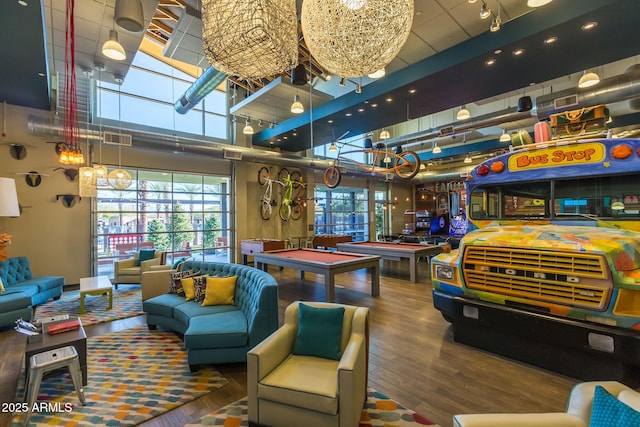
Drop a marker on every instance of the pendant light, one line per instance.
(463, 114)
(436, 149)
(297, 107)
(588, 79)
(505, 136)
(119, 179)
(333, 146)
(377, 74)
(248, 129)
(467, 160)
(384, 134)
(537, 3)
(112, 48)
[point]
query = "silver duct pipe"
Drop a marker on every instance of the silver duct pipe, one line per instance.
(207, 82)
(451, 129)
(45, 127)
(613, 89)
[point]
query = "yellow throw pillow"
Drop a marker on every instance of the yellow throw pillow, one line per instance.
(220, 291)
(189, 287)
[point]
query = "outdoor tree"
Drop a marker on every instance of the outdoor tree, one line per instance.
(157, 234)
(211, 233)
(181, 226)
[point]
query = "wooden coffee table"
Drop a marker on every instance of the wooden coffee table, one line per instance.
(95, 286)
(76, 338)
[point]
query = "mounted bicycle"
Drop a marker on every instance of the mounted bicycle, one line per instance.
(291, 206)
(266, 202)
(405, 165)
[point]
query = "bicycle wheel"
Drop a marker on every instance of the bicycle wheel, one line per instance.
(296, 211)
(284, 172)
(285, 211)
(296, 177)
(407, 164)
(265, 210)
(332, 177)
(263, 175)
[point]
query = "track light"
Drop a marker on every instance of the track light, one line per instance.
(112, 48)
(341, 82)
(588, 79)
(248, 129)
(297, 107)
(436, 148)
(384, 134)
(358, 88)
(485, 12)
(463, 114)
(496, 24)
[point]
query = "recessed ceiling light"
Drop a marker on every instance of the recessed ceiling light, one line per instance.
(374, 105)
(329, 121)
(490, 61)
(360, 110)
(285, 137)
(589, 26)
(295, 134)
(41, 74)
(550, 40)
(348, 114)
(497, 51)
(389, 99)
(518, 52)
(412, 91)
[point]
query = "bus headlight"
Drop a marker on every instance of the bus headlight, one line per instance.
(444, 272)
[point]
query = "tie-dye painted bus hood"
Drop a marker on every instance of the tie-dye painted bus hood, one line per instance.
(621, 247)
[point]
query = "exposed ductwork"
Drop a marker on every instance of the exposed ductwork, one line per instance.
(618, 88)
(44, 127)
(206, 83)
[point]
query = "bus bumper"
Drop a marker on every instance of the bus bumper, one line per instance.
(582, 350)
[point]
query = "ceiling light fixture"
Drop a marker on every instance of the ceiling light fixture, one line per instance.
(112, 48)
(485, 12)
(297, 107)
(338, 33)
(333, 146)
(377, 74)
(250, 42)
(341, 83)
(248, 129)
(537, 3)
(467, 160)
(386, 159)
(359, 88)
(128, 15)
(588, 79)
(472, 1)
(436, 148)
(384, 134)
(463, 114)
(505, 136)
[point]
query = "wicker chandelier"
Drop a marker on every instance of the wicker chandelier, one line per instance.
(353, 38)
(250, 39)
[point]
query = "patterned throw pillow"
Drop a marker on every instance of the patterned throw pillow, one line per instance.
(200, 288)
(607, 411)
(175, 285)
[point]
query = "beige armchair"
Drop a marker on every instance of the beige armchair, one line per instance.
(155, 281)
(289, 390)
(126, 270)
(577, 414)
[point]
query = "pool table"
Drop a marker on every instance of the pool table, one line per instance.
(394, 251)
(328, 263)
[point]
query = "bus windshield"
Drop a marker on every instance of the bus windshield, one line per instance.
(607, 197)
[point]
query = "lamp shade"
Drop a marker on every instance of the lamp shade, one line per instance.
(297, 107)
(8, 198)
(112, 48)
(588, 79)
(128, 15)
(354, 38)
(463, 114)
(384, 134)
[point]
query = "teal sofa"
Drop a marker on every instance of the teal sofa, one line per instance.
(220, 333)
(23, 291)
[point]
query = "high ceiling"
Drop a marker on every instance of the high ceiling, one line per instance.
(443, 61)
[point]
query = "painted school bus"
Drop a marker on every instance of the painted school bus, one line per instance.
(552, 257)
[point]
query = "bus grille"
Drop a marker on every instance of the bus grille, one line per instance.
(574, 279)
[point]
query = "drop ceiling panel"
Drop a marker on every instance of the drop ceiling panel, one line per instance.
(414, 50)
(441, 32)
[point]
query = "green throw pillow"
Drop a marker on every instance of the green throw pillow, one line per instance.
(319, 331)
(178, 261)
(607, 411)
(145, 254)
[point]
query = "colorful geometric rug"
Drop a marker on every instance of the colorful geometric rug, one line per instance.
(379, 411)
(127, 302)
(134, 375)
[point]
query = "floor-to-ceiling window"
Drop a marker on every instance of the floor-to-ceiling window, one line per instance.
(182, 214)
(342, 211)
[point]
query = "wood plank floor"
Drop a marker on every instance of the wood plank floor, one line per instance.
(413, 358)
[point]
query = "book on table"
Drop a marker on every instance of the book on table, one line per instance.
(63, 326)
